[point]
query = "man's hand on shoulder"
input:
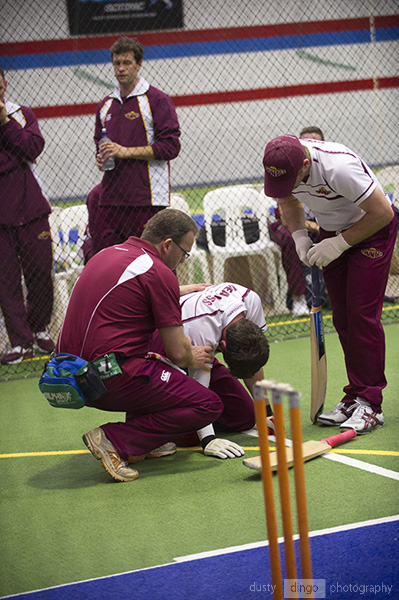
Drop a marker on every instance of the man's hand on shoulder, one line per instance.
(193, 287)
(202, 357)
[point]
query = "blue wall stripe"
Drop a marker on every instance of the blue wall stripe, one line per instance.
(85, 57)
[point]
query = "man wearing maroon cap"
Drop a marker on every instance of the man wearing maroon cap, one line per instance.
(358, 228)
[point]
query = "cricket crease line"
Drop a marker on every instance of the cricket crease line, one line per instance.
(195, 448)
(345, 460)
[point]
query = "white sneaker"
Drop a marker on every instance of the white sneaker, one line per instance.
(102, 449)
(166, 450)
(270, 425)
(299, 307)
(338, 415)
(17, 355)
(43, 342)
(364, 419)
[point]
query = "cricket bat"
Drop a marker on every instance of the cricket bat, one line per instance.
(317, 351)
(310, 450)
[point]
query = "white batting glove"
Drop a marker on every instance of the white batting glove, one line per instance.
(223, 449)
(324, 252)
(302, 245)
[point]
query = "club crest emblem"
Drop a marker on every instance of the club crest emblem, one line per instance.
(132, 115)
(372, 253)
(323, 191)
(275, 172)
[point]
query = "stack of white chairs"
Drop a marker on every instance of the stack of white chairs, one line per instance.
(233, 204)
(179, 202)
(389, 179)
(67, 228)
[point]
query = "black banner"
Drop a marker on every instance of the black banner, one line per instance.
(112, 16)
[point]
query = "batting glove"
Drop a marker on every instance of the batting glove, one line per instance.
(223, 449)
(328, 250)
(302, 245)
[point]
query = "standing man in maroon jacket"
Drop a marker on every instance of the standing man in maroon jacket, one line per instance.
(25, 239)
(142, 125)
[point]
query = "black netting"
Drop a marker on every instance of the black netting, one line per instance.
(239, 73)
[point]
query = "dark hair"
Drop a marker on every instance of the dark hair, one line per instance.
(247, 349)
(168, 223)
(127, 44)
(2, 74)
(311, 129)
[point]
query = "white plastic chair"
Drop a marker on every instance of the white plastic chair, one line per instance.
(74, 221)
(269, 204)
(71, 222)
(232, 204)
(55, 229)
(179, 202)
(60, 280)
(389, 178)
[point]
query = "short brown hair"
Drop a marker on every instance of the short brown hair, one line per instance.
(127, 44)
(247, 348)
(311, 129)
(168, 223)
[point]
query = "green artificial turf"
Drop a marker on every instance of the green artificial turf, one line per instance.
(63, 519)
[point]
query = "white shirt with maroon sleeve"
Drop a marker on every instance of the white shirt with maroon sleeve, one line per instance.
(339, 181)
(205, 314)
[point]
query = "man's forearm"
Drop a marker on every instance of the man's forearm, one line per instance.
(367, 226)
(292, 213)
(138, 152)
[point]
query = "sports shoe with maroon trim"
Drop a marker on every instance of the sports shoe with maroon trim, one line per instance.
(270, 425)
(364, 419)
(102, 449)
(339, 414)
(166, 450)
(43, 342)
(17, 355)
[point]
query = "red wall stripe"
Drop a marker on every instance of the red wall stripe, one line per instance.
(333, 87)
(201, 35)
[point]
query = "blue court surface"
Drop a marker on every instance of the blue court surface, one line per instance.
(359, 562)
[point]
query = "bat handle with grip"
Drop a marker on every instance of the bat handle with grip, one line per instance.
(340, 438)
(315, 286)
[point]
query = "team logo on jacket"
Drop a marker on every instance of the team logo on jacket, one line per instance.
(165, 376)
(372, 253)
(44, 235)
(323, 191)
(132, 115)
(275, 172)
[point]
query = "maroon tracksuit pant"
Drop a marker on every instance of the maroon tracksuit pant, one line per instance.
(356, 283)
(26, 250)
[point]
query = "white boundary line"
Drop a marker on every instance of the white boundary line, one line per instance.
(220, 552)
(316, 533)
(345, 460)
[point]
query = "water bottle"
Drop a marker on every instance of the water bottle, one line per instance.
(109, 163)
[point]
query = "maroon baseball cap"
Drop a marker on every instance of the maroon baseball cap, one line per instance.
(282, 160)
